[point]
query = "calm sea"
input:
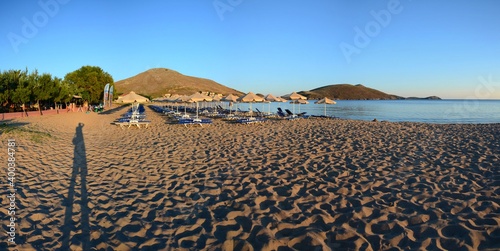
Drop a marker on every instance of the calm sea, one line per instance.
(427, 111)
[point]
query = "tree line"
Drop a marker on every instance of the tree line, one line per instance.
(20, 89)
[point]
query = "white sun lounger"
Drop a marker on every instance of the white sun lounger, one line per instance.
(130, 123)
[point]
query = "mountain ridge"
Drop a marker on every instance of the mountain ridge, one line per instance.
(157, 82)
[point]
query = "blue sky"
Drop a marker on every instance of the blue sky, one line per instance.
(402, 47)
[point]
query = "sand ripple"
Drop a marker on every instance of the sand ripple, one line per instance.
(282, 185)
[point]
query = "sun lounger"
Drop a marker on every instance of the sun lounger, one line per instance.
(294, 116)
(130, 123)
(135, 117)
(281, 113)
(250, 120)
(132, 117)
(244, 112)
(229, 116)
(190, 121)
(160, 109)
(264, 114)
(181, 116)
(289, 113)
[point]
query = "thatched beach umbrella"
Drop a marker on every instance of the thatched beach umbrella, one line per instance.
(280, 99)
(272, 98)
(231, 99)
(182, 99)
(251, 98)
(325, 101)
(216, 98)
(268, 103)
(300, 102)
(160, 99)
(173, 98)
(198, 97)
(132, 97)
(294, 96)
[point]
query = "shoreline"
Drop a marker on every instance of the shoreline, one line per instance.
(5, 117)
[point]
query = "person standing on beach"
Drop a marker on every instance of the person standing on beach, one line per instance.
(25, 112)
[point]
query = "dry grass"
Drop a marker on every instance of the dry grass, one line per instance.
(15, 130)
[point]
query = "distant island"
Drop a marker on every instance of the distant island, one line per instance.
(157, 82)
(355, 92)
(427, 98)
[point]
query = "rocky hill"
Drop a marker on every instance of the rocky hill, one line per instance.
(346, 92)
(159, 81)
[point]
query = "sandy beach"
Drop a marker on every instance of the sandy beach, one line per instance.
(309, 184)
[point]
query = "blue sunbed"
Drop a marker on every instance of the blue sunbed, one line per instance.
(192, 121)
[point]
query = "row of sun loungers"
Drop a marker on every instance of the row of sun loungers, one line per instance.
(134, 117)
(287, 114)
(251, 120)
(180, 115)
(194, 121)
(186, 120)
(182, 118)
